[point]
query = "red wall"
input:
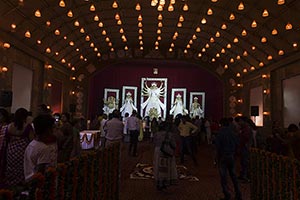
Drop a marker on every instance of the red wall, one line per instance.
(179, 74)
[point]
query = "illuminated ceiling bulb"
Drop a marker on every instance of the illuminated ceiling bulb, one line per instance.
(56, 53)
(254, 24)
(212, 40)
(98, 54)
(203, 21)
(179, 24)
(181, 18)
(238, 75)
(252, 68)
(281, 2)
(228, 46)
(209, 11)
(126, 48)
(274, 32)
(213, 60)
(224, 27)
(218, 55)
(39, 41)
(76, 23)
(170, 49)
(158, 37)
(121, 31)
(172, 2)
(62, 4)
(245, 70)
(188, 46)
(115, 4)
(241, 6)
(185, 51)
(218, 34)
(73, 69)
(96, 18)
(156, 43)
(232, 17)
(244, 32)
(269, 57)
(289, 26)
(156, 47)
(138, 7)
(158, 31)
(162, 2)
(92, 8)
(63, 60)
(207, 45)
(174, 38)
(261, 64)
(141, 42)
(57, 32)
(87, 38)
(245, 53)
(253, 48)
(28, 34)
(235, 40)
(225, 66)
(6, 45)
(160, 24)
(140, 25)
(65, 37)
(223, 51)
(81, 57)
(238, 57)
(199, 55)
(92, 45)
(77, 49)
(119, 22)
(295, 45)
(170, 8)
(117, 16)
(109, 44)
(160, 17)
(198, 29)
(82, 30)
(140, 31)
(38, 13)
(154, 3)
(85, 59)
(231, 60)
(280, 52)
(160, 8)
(185, 7)
(140, 18)
(100, 24)
(103, 32)
(265, 13)
(203, 50)
(48, 50)
(191, 42)
(194, 37)
(172, 45)
(176, 34)
(71, 43)
(263, 39)
(48, 23)
(107, 39)
(13, 26)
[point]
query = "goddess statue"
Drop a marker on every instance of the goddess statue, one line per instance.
(195, 109)
(153, 104)
(128, 105)
(110, 105)
(178, 107)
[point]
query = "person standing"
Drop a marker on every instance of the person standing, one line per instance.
(226, 144)
(114, 129)
(133, 125)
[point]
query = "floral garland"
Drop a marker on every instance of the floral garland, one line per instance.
(62, 171)
(6, 194)
(37, 183)
(50, 183)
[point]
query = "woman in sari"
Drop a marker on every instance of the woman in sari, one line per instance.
(164, 166)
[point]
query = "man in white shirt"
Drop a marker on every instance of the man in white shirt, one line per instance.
(41, 151)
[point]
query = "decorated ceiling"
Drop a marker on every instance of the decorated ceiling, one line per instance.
(238, 37)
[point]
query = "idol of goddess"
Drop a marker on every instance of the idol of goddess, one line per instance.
(178, 107)
(110, 105)
(128, 105)
(153, 104)
(195, 109)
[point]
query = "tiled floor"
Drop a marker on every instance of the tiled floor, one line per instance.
(207, 188)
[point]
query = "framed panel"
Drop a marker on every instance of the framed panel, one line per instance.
(154, 97)
(201, 100)
(132, 90)
(111, 100)
(174, 110)
(129, 100)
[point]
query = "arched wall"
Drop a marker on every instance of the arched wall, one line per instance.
(179, 74)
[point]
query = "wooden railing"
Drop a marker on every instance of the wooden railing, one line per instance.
(274, 176)
(93, 175)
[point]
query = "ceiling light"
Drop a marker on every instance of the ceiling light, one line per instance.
(160, 24)
(140, 18)
(194, 37)
(154, 2)
(170, 49)
(198, 29)
(254, 24)
(191, 42)
(274, 32)
(170, 8)
(244, 32)
(37, 13)
(261, 64)
(188, 46)
(172, 44)
(48, 23)
(87, 38)
(245, 70)
(39, 41)
(214, 1)
(203, 21)
(253, 48)
(252, 68)
(158, 37)
(269, 57)
(263, 39)
(228, 46)
(238, 57)
(96, 18)
(92, 45)
(295, 45)
(225, 66)
(65, 37)
(121, 31)
(126, 48)
(223, 27)
(265, 13)
(181, 18)
(140, 31)
(207, 45)
(77, 49)
(241, 6)
(63, 60)
(92, 8)
(107, 39)
(159, 8)
(117, 16)
(217, 55)
(213, 60)
(156, 47)
(110, 44)
(289, 26)
(209, 11)
(141, 42)
(203, 50)
(238, 75)
(71, 43)
(56, 53)
(160, 17)
(235, 40)
(158, 31)
(280, 52)
(185, 51)
(231, 17)
(172, 1)
(57, 32)
(156, 43)
(199, 55)
(223, 50)
(281, 2)
(62, 4)
(245, 53)
(115, 4)
(138, 7)
(218, 34)
(13, 26)
(76, 23)
(82, 30)
(179, 24)
(119, 22)
(140, 25)
(231, 60)
(48, 50)
(176, 34)
(185, 7)
(100, 24)
(73, 69)
(212, 40)
(28, 34)
(103, 32)
(70, 14)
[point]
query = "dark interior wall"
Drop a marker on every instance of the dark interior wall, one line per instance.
(179, 74)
